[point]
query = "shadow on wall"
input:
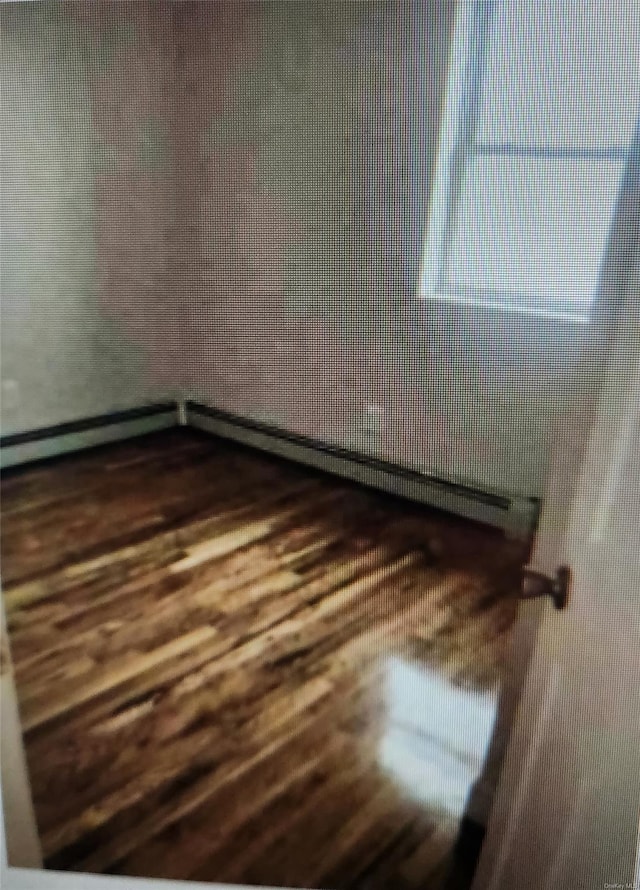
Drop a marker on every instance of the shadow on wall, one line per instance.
(86, 204)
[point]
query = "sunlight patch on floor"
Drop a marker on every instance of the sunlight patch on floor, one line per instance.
(436, 738)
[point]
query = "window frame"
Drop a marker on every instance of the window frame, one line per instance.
(457, 146)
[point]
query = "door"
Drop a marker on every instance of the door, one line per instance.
(18, 833)
(566, 807)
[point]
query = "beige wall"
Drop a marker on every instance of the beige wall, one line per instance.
(86, 208)
(229, 200)
(306, 139)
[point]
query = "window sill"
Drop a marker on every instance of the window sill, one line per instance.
(507, 308)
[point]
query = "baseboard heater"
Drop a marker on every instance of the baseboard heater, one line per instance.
(516, 515)
(76, 435)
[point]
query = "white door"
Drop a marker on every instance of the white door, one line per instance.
(18, 832)
(566, 808)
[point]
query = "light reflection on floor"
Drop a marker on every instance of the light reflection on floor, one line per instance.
(436, 737)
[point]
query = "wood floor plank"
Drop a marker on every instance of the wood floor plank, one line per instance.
(39, 710)
(182, 805)
(307, 759)
(425, 861)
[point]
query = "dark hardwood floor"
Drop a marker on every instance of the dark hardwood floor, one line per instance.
(233, 668)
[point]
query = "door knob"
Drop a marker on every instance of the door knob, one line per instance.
(535, 584)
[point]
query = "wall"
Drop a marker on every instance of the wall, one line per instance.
(86, 207)
(303, 169)
(306, 136)
(230, 199)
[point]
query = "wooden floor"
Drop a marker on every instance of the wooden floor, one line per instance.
(203, 639)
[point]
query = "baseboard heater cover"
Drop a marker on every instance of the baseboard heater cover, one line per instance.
(517, 516)
(76, 435)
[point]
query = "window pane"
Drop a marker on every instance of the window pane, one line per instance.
(562, 73)
(537, 228)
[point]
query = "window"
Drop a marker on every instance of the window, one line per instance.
(542, 107)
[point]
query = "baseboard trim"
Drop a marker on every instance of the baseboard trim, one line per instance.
(515, 516)
(64, 438)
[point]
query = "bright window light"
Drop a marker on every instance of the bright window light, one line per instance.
(542, 108)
